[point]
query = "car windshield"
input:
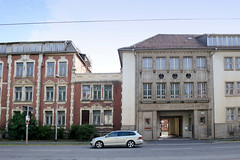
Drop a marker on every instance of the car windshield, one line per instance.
(112, 134)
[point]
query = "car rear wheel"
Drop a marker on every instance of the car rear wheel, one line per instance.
(99, 144)
(130, 144)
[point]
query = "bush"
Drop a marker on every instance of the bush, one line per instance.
(45, 133)
(17, 127)
(83, 132)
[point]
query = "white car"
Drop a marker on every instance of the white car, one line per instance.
(118, 138)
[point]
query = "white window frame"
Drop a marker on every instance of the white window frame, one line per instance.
(230, 114)
(108, 93)
(22, 94)
(202, 89)
(161, 63)
(147, 63)
(201, 62)
(147, 90)
(175, 90)
(62, 118)
(97, 92)
(62, 60)
(228, 63)
(24, 60)
(27, 92)
(188, 90)
(62, 93)
(18, 94)
(108, 119)
(46, 93)
(96, 117)
(161, 90)
(29, 71)
(1, 69)
(237, 63)
(174, 63)
(229, 89)
(48, 117)
(86, 94)
(187, 63)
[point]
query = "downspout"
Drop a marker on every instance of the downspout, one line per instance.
(213, 100)
(135, 55)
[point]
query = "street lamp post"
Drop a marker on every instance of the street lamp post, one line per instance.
(57, 76)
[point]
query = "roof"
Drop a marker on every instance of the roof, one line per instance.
(169, 41)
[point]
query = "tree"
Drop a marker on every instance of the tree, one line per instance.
(17, 127)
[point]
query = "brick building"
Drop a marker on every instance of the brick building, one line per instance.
(29, 77)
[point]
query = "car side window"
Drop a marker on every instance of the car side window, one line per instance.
(113, 134)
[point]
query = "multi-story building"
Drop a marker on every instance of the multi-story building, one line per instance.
(99, 102)
(30, 73)
(226, 77)
(185, 85)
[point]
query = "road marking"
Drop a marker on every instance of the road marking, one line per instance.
(5, 150)
(50, 150)
(225, 147)
(166, 149)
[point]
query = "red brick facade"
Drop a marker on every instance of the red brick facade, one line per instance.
(32, 78)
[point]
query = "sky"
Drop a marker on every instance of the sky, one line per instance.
(101, 41)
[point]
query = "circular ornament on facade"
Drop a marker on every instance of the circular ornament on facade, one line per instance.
(161, 76)
(174, 76)
(188, 75)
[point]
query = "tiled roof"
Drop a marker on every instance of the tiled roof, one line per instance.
(168, 41)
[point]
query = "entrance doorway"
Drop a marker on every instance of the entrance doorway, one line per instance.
(171, 126)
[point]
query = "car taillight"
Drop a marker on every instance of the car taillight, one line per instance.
(139, 137)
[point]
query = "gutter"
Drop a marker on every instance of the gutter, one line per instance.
(213, 100)
(135, 55)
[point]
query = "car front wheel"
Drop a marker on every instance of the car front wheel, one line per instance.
(99, 144)
(130, 144)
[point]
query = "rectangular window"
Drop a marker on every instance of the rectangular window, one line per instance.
(228, 63)
(239, 114)
(62, 68)
(61, 118)
(202, 90)
(174, 63)
(96, 92)
(229, 88)
(96, 117)
(50, 69)
(161, 63)
(175, 92)
(62, 93)
(29, 69)
(201, 62)
(28, 92)
(1, 70)
(147, 63)
(48, 118)
(108, 92)
(238, 88)
(18, 93)
(86, 92)
(107, 117)
(147, 90)
(237, 64)
(188, 90)
(19, 72)
(49, 93)
(161, 90)
(187, 62)
(230, 114)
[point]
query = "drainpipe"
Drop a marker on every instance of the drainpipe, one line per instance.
(213, 102)
(135, 126)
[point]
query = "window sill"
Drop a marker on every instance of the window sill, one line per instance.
(48, 102)
(22, 102)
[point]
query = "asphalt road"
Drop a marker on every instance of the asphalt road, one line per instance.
(195, 150)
